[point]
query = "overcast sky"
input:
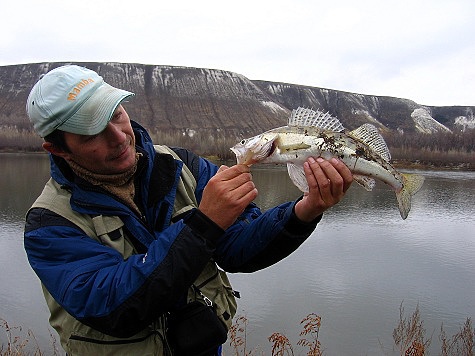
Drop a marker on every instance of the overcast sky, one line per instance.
(423, 50)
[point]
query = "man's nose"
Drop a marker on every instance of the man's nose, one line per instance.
(114, 133)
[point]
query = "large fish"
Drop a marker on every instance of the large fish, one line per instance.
(318, 134)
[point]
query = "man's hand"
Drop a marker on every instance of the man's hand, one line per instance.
(328, 182)
(227, 194)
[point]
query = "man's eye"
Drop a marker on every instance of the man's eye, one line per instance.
(90, 137)
(117, 116)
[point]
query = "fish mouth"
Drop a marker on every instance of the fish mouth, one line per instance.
(241, 156)
(254, 152)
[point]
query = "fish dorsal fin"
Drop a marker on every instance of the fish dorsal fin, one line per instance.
(308, 117)
(369, 135)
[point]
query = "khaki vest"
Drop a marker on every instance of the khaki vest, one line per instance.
(79, 339)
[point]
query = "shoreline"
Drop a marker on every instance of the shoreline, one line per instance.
(396, 163)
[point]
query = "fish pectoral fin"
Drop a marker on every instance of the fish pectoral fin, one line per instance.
(366, 182)
(294, 147)
(297, 176)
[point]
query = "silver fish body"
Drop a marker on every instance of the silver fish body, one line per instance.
(313, 133)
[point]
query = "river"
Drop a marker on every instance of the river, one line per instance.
(356, 269)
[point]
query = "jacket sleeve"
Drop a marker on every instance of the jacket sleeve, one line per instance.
(257, 240)
(98, 287)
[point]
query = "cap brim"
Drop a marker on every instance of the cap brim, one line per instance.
(93, 116)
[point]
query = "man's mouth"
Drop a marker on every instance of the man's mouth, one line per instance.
(122, 150)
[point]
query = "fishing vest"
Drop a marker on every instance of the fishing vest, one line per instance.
(79, 339)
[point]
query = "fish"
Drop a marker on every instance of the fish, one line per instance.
(314, 133)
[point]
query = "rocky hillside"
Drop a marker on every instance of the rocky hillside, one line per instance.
(190, 99)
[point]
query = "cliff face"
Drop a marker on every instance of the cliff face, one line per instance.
(181, 99)
(386, 112)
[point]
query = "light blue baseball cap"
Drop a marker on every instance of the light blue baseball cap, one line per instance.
(72, 99)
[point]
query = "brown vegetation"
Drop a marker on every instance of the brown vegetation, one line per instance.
(14, 139)
(444, 149)
(462, 343)
(409, 339)
(409, 335)
(18, 344)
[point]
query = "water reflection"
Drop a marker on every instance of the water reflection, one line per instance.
(274, 186)
(22, 179)
(364, 260)
(355, 270)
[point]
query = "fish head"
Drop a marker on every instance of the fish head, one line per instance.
(255, 149)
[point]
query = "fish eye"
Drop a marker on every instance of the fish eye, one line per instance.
(243, 142)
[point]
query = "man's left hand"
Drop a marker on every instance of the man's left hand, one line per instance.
(328, 182)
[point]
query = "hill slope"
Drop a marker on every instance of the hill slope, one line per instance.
(183, 99)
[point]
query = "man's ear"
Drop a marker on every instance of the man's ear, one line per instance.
(48, 146)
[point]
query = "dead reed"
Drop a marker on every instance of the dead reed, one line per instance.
(409, 339)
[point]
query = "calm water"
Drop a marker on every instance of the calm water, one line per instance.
(356, 269)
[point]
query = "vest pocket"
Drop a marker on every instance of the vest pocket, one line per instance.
(145, 343)
(110, 232)
(215, 285)
(226, 299)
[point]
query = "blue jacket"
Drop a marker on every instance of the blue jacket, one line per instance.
(94, 284)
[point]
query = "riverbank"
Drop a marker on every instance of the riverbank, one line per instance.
(409, 338)
(397, 163)
(402, 164)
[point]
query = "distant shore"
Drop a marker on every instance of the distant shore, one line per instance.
(402, 164)
(397, 163)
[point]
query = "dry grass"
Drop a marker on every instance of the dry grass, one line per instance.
(20, 342)
(409, 335)
(409, 339)
(312, 323)
(461, 343)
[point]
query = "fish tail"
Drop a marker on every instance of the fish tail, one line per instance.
(411, 185)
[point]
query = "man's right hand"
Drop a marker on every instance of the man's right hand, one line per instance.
(227, 194)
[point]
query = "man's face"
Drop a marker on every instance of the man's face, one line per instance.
(111, 151)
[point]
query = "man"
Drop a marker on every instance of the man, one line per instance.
(126, 236)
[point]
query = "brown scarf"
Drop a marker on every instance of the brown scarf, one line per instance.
(120, 185)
